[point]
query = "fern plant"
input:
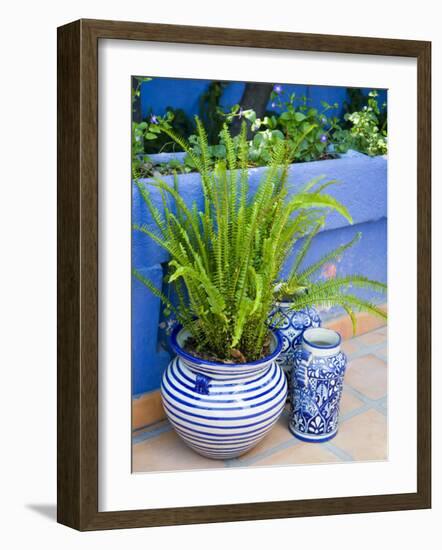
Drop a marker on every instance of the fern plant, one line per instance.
(225, 259)
(301, 290)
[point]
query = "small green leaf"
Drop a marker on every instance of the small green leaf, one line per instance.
(250, 115)
(257, 140)
(285, 116)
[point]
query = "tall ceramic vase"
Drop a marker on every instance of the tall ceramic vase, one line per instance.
(317, 382)
(222, 410)
(291, 325)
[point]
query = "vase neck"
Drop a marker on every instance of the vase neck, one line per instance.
(321, 342)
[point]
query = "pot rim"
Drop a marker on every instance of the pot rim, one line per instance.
(325, 347)
(287, 303)
(198, 361)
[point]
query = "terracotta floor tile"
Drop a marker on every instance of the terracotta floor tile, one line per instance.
(350, 346)
(349, 403)
(300, 453)
(368, 374)
(367, 322)
(364, 436)
(383, 330)
(371, 338)
(341, 325)
(280, 433)
(168, 452)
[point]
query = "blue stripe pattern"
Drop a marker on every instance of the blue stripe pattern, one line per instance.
(234, 414)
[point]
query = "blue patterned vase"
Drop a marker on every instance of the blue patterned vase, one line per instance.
(222, 410)
(317, 381)
(292, 324)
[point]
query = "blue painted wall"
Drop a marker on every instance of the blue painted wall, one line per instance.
(363, 190)
(148, 358)
(160, 93)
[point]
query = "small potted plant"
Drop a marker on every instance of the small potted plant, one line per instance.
(224, 390)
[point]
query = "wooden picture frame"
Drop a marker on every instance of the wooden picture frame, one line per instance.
(77, 461)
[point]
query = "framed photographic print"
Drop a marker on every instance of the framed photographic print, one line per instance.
(243, 274)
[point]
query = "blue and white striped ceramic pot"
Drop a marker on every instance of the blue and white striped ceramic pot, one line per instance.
(317, 382)
(222, 410)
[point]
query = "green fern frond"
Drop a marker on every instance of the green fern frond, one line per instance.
(148, 283)
(314, 184)
(348, 281)
(154, 212)
(313, 268)
(321, 188)
(184, 146)
(204, 146)
(306, 188)
(328, 297)
(305, 247)
(352, 316)
(294, 147)
(320, 200)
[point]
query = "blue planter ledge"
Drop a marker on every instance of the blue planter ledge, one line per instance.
(363, 189)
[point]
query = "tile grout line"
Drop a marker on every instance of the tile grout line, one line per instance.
(365, 350)
(148, 427)
(337, 451)
(377, 404)
(379, 355)
(355, 412)
(151, 434)
(264, 454)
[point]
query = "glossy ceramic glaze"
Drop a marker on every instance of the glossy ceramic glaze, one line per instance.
(317, 382)
(222, 410)
(291, 324)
